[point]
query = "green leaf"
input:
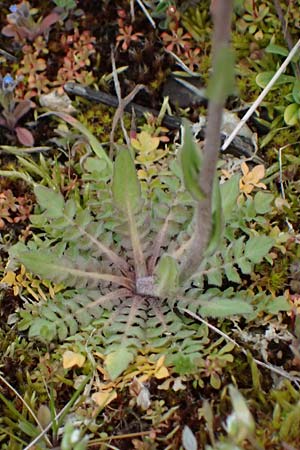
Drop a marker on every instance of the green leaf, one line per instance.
(221, 84)
(126, 191)
(166, 276)
(262, 202)
(190, 160)
(275, 305)
(258, 247)
(229, 194)
(118, 361)
(244, 265)
(183, 364)
(242, 424)
(215, 380)
(215, 277)
(126, 188)
(232, 274)
(291, 114)
(92, 140)
(51, 267)
(225, 307)
(264, 78)
(277, 49)
(43, 328)
(217, 219)
(296, 91)
(51, 201)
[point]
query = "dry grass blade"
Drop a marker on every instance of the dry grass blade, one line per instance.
(27, 406)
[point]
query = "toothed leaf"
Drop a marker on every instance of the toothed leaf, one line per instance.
(51, 201)
(258, 247)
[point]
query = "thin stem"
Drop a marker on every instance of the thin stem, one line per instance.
(222, 11)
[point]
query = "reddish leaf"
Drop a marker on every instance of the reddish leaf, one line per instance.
(8, 31)
(22, 108)
(48, 21)
(24, 136)
(19, 33)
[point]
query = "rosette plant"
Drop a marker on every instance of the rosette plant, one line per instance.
(132, 259)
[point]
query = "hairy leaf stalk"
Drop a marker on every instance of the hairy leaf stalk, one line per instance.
(221, 12)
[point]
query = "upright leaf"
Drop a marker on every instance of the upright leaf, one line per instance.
(190, 159)
(229, 193)
(126, 188)
(166, 276)
(127, 198)
(221, 83)
(217, 219)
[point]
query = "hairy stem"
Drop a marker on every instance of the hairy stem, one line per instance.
(221, 12)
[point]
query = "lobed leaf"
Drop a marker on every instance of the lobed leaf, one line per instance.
(258, 247)
(51, 201)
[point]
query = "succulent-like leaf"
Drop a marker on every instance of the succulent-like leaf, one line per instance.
(24, 136)
(189, 441)
(48, 21)
(190, 159)
(21, 109)
(291, 114)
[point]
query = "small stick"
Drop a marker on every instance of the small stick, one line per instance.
(272, 368)
(262, 95)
